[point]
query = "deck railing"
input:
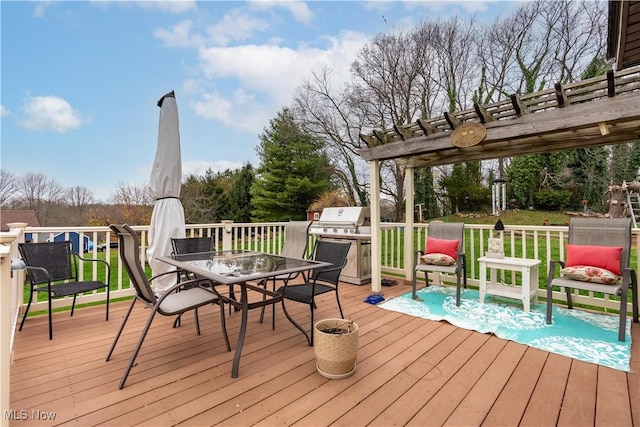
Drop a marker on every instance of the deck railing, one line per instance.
(537, 242)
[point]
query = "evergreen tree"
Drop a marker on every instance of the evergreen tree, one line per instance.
(588, 182)
(294, 171)
(424, 194)
(464, 188)
(632, 168)
(240, 203)
(206, 198)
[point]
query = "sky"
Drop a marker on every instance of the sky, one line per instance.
(80, 80)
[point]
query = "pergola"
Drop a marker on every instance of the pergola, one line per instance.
(604, 110)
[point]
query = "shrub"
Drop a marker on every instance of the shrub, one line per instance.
(552, 199)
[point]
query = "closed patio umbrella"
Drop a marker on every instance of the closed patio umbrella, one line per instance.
(167, 219)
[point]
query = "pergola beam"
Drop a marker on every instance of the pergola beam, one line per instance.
(555, 129)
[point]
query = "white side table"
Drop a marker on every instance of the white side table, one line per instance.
(529, 270)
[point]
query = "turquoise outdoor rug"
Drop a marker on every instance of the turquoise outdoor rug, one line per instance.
(574, 333)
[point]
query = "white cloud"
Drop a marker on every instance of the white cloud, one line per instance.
(242, 111)
(4, 111)
(267, 77)
(180, 35)
(167, 6)
(50, 113)
(236, 25)
(298, 9)
(40, 8)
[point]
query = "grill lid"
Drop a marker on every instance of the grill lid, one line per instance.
(348, 216)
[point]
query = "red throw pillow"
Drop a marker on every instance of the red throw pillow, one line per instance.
(442, 246)
(607, 257)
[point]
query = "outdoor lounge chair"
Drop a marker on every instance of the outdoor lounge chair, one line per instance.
(194, 294)
(52, 268)
(598, 254)
(295, 246)
(320, 281)
(445, 254)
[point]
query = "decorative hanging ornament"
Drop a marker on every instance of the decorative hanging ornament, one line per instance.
(468, 134)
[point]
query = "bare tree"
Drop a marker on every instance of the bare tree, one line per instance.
(79, 200)
(41, 194)
(578, 34)
(9, 186)
(134, 203)
(325, 112)
(457, 64)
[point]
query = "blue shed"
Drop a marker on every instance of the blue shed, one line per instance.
(74, 237)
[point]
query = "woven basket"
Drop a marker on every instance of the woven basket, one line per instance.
(335, 353)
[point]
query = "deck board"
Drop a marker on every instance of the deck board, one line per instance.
(410, 371)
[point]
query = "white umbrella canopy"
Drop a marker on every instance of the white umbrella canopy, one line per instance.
(167, 219)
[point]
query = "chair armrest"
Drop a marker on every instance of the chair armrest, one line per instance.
(419, 253)
(43, 270)
(107, 265)
(326, 270)
(552, 270)
(165, 273)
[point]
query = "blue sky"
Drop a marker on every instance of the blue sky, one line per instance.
(80, 79)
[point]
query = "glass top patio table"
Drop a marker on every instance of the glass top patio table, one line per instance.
(236, 266)
(239, 267)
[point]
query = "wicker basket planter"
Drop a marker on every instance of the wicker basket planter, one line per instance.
(336, 351)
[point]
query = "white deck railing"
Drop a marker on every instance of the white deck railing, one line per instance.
(544, 243)
(537, 242)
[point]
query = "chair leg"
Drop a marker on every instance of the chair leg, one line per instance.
(24, 316)
(124, 322)
(223, 324)
(623, 316)
(137, 349)
(414, 296)
(108, 301)
(313, 323)
(634, 296)
(51, 317)
(569, 300)
(73, 304)
(549, 303)
(195, 314)
(262, 283)
(300, 328)
(458, 289)
(339, 306)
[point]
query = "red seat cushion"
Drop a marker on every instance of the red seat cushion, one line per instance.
(442, 246)
(607, 257)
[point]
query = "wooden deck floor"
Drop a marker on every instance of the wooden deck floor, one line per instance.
(410, 372)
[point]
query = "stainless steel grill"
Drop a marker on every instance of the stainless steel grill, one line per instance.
(349, 224)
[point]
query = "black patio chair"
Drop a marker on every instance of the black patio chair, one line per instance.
(295, 246)
(320, 281)
(190, 245)
(52, 268)
(171, 303)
